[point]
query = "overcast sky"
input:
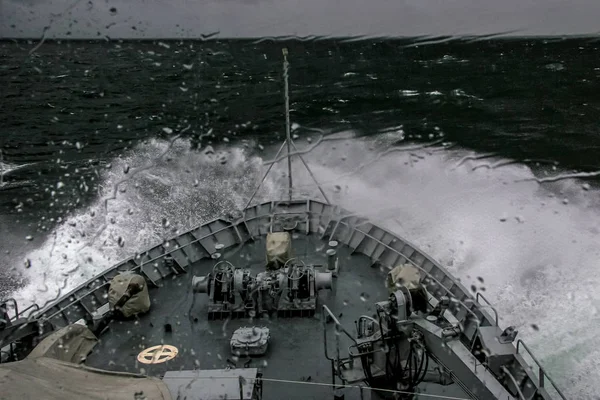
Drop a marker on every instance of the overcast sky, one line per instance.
(259, 18)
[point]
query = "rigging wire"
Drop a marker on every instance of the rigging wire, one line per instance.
(435, 396)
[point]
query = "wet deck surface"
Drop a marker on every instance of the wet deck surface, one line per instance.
(296, 350)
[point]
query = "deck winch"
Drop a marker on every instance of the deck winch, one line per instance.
(289, 291)
(287, 286)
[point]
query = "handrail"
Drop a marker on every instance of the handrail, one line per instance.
(514, 381)
(489, 305)
(338, 325)
(542, 373)
(34, 306)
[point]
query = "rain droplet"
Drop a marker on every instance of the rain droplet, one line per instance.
(121, 241)
(520, 219)
(209, 150)
(535, 327)
(480, 279)
(27, 263)
(565, 201)
(78, 145)
(113, 11)
(196, 183)
(364, 296)
(473, 288)
(60, 185)
(29, 237)
(503, 217)
(585, 186)
(168, 131)
(165, 223)
(126, 168)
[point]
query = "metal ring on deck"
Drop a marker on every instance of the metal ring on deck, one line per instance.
(157, 354)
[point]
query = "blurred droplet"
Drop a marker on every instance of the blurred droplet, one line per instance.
(585, 186)
(121, 241)
(60, 185)
(113, 11)
(535, 327)
(126, 168)
(167, 130)
(27, 263)
(29, 237)
(364, 296)
(209, 150)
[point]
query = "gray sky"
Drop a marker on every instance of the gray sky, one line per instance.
(259, 18)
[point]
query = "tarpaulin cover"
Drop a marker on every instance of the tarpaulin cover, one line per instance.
(279, 249)
(406, 275)
(72, 343)
(50, 379)
(128, 292)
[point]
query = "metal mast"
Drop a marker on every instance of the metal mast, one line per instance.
(288, 137)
